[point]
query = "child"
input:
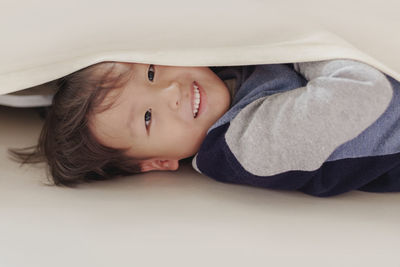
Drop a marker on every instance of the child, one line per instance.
(322, 127)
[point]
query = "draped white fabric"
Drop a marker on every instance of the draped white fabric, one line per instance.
(44, 40)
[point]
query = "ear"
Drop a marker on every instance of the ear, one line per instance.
(159, 165)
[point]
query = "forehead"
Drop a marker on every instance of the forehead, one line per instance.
(114, 78)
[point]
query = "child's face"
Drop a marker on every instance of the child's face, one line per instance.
(153, 115)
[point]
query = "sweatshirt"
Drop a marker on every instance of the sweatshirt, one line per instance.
(322, 127)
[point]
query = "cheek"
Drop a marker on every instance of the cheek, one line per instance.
(196, 137)
(188, 139)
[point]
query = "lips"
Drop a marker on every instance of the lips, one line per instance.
(203, 99)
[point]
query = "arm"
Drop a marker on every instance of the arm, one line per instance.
(297, 130)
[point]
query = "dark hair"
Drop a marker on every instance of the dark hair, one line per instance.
(67, 145)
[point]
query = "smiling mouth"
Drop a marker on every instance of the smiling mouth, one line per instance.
(196, 101)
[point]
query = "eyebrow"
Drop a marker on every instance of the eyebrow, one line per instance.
(130, 123)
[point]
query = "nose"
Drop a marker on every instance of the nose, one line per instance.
(173, 95)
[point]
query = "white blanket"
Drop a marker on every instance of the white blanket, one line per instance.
(42, 41)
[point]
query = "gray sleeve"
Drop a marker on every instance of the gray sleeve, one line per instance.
(299, 129)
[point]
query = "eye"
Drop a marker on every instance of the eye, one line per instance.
(150, 73)
(147, 118)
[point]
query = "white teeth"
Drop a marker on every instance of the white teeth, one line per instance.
(196, 103)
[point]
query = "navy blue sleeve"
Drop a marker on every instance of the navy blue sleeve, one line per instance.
(373, 174)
